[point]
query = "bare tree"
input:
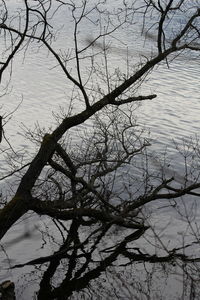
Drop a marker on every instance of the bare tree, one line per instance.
(101, 185)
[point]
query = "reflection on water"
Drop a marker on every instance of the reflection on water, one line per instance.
(173, 115)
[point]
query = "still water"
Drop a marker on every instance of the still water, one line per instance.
(42, 89)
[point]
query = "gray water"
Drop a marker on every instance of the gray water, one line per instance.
(172, 116)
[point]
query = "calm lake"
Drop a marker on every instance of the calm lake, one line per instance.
(41, 88)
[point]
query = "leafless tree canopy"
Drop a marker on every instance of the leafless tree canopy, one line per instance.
(98, 186)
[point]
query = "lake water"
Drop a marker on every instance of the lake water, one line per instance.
(172, 116)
